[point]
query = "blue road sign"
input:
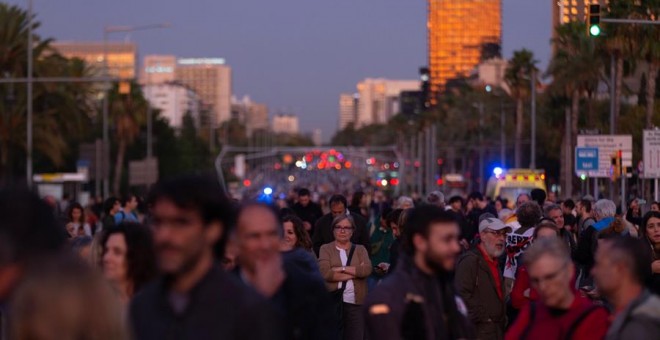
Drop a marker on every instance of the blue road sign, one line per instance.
(586, 159)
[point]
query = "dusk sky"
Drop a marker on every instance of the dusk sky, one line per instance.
(296, 56)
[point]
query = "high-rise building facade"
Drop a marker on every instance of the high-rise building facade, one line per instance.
(348, 104)
(174, 101)
(122, 56)
(253, 115)
(460, 32)
(379, 99)
(565, 11)
(211, 79)
(158, 69)
(286, 124)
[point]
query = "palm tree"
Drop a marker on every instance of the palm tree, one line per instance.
(128, 113)
(650, 52)
(59, 113)
(518, 75)
(576, 70)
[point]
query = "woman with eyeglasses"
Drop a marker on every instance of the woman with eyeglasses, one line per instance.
(345, 267)
(650, 232)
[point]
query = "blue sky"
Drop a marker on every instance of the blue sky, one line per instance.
(296, 56)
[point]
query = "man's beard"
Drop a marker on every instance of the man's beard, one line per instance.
(492, 251)
(436, 264)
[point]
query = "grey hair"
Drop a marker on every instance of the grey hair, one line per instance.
(405, 199)
(605, 208)
(554, 247)
(435, 197)
(550, 208)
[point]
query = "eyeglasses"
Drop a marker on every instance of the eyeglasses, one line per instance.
(343, 229)
(502, 232)
(536, 281)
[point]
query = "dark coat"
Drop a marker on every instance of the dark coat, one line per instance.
(310, 213)
(323, 232)
(411, 305)
(219, 307)
(304, 303)
(476, 285)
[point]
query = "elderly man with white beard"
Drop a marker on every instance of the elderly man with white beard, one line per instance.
(479, 281)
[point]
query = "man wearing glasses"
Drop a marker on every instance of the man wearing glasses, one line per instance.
(479, 281)
(560, 313)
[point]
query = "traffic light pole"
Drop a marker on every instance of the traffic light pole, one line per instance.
(630, 21)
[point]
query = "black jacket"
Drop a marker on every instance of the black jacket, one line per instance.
(304, 303)
(323, 232)
(219, 307)
(411, 305)
(310, 213)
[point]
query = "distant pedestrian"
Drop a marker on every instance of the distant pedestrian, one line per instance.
(76, 222)
(323, 233)
(650, 234)
(111, 206)
(480, 282)
(308, 211)
(529, 215)
(128, 212)
(345, 267)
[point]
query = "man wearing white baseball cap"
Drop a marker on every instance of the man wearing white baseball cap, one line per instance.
(480, 283)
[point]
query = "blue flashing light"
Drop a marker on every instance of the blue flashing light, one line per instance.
(498, 171)
(268, 191)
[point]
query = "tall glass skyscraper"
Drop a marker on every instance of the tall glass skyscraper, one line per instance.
(459, 33)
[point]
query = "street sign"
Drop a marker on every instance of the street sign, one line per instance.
(607, 145)
(586, 159)
(651, 154)
(143, 172)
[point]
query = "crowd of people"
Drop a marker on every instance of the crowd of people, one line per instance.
(187, 262)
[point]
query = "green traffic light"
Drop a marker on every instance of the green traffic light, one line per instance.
(583, 177)
(594, 30)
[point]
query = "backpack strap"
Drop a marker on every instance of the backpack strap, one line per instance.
(532, 316)
(579, 320)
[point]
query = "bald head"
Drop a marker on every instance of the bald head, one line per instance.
(258, 235)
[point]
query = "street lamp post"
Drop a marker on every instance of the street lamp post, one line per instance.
(533, 156)
(30, 65)
(106, 143)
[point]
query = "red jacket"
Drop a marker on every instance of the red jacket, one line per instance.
(518, 298)
(587, 321)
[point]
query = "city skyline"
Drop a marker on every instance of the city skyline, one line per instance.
(294, 56)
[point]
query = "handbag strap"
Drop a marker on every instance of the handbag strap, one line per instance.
(348, 263)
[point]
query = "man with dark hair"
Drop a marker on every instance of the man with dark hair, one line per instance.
(111, 207)
(128, 211)
(195, 298)
(585, 214)
(567, 207)
(529, 214)
(480, 206)
(418, 300)
(299, 296)
(29, 236)
(621, 269)
(539, 196)
(323, 229)
(308, 211)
